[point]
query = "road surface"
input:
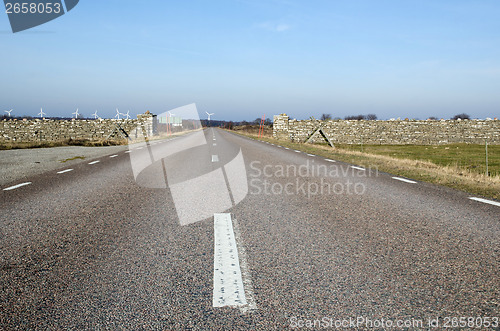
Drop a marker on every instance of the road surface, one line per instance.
(124, 242)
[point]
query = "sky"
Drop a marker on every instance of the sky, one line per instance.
(242, 59)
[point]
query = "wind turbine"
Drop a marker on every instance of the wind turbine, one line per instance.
(9, 111)
(95, 115)
(117, 114)
(41, 113)
(209, 114)
(127, 114)
(76, 113)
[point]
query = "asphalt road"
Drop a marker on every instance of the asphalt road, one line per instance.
(128, 243)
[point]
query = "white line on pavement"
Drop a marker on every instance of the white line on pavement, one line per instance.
(404, 180)
(94, 162)
(494, 203)
(358, 168)
(113, 156)
(128, 152)
(311, 155)
(215, 158)
(16, 186)
(215, 144)
(228, 283)
(296, 151)
(333, 161)
(65, 171)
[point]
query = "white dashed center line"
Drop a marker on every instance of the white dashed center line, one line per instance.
(65, 171)
(404, 180)
(228, 283)
(215, 158)
(16, 186)
(95, 162)
(494, 203)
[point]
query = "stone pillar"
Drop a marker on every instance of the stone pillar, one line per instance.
(281, 127)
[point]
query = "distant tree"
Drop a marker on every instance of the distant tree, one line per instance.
(371, 117)
(357, 117)
(268, 122)
(243, 123)
(433, 118)
(462, 116)
(326, 117)
(257, 121)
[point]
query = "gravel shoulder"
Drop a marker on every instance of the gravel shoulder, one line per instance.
(17, 164)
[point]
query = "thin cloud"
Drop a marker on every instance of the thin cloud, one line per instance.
(275, 27)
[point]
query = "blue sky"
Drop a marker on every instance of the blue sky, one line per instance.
(241, 59)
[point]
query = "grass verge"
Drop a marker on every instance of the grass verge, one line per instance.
(69, 142)
(433, 169)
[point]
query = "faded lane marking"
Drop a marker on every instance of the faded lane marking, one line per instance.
(16, 186)
(404, 180)
(228, 282)
(494, 203)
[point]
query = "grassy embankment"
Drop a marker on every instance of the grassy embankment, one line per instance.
(83, 142)
(459, 166)
(69, 142)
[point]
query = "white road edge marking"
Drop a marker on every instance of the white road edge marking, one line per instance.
(311, 155)
(358, 168)
(94, 162)
(16, 186)
(328, 160)
(296, 151)
(113, 156)
(65, 171)
(215, 158)
(404, 180)
(128, 152)
(228, 282)
(494, 203)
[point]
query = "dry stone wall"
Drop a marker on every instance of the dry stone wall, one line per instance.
(398, 132)
(41, 130)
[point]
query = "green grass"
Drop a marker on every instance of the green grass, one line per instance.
(468, 157)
